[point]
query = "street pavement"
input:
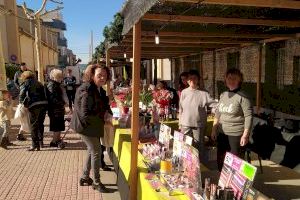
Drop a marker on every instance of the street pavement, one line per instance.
(49, 174)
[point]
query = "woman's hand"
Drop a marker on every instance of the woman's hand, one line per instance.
(245, 138)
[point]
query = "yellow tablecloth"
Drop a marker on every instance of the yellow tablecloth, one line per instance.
(122, 150)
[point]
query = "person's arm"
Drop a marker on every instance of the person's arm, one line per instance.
(248, 115)
(180, 109)
(210, 102)
(23, 91)
(16, 79)
(215, 125)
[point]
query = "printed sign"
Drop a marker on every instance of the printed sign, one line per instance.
(178, 143)
(165, 136)
(237, 174)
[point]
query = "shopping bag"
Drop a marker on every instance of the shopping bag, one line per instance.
(22, 114)
(109, 133)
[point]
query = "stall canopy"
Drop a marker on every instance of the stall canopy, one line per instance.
(187, 27)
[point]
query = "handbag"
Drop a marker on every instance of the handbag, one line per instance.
(22, 114)
(76, 123)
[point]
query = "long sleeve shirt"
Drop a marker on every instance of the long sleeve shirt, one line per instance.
(234, 112)
(192, 107)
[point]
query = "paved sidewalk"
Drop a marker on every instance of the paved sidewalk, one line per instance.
(48, 174)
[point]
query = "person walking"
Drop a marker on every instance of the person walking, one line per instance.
(18, 82)
(192, 110)
(70, 85)
(233, 119)
(56, 106)
(32, 95)
(91, 105)
(5, 117)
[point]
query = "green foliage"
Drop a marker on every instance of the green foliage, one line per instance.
(146, 97)
(128, 100)
(11, 69)
(112, 33)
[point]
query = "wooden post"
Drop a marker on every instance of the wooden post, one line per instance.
(258, 84)
(135, 109)
(214, 75)
(109, 94)
(155, 71)
(202, 86)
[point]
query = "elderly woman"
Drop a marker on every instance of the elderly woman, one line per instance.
(56, 106)
(233, 118)
(91, 105)
(32, 95)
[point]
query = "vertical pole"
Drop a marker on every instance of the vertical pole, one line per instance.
(155, 71)
(258, 84)
(202, 86)
(135, 109)
(2, 66)
(38, 49)
(214, 75)
(108, 65)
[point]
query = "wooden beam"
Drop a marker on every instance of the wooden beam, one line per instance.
(135, 109)
(214, 34)
(193, 41)
(221, 20)
(258, 82)
(254, 3)
(188, 45)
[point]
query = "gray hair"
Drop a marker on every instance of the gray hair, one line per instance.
(56, 75)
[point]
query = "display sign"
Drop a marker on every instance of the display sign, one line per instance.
(165, 136)
(178, 144)
(237, 174)
(116, 112)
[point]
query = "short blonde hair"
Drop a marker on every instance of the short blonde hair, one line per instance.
(27, 75)
(56, 75)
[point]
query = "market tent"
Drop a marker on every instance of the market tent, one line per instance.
(188, 27)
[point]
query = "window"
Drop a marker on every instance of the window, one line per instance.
(233, 60)
(281, 56)
(296, 70)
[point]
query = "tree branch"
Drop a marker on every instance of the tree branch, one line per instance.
(41, 9)
(56, 9)
(58, 2)
(29, 16)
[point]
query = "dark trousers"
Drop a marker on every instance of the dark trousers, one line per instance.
(71, 97)
(93, 158)
(37, 117)
(227, 143)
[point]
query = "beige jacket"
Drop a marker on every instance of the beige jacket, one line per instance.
(6, 111)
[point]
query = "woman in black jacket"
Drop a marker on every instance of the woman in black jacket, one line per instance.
(91, 104)
(32, 94)
(56, 107)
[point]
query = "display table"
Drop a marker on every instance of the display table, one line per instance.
(121, 160)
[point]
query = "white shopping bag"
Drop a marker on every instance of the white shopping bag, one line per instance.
(109, 133)
(22, 114)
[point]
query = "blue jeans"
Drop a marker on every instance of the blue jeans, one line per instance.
(93, 158)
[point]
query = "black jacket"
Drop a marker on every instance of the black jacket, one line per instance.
(55, 98)
(32, 93)
(89, 109)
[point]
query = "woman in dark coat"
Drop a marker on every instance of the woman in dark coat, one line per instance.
(56, 107)
(32, 94)
(91, 105)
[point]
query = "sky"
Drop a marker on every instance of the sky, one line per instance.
(82, 17)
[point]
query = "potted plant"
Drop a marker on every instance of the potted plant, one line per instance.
(146, 98)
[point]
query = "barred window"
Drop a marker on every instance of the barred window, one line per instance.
(233, 60)
(281, 56)
(296, 70)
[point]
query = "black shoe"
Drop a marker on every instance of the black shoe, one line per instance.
(53, 144)
(83, 181)
(61, 144)
(6, 141)
(32, 148)
(21, 137)
(101, 188)
(3, 144)
(41, 144)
